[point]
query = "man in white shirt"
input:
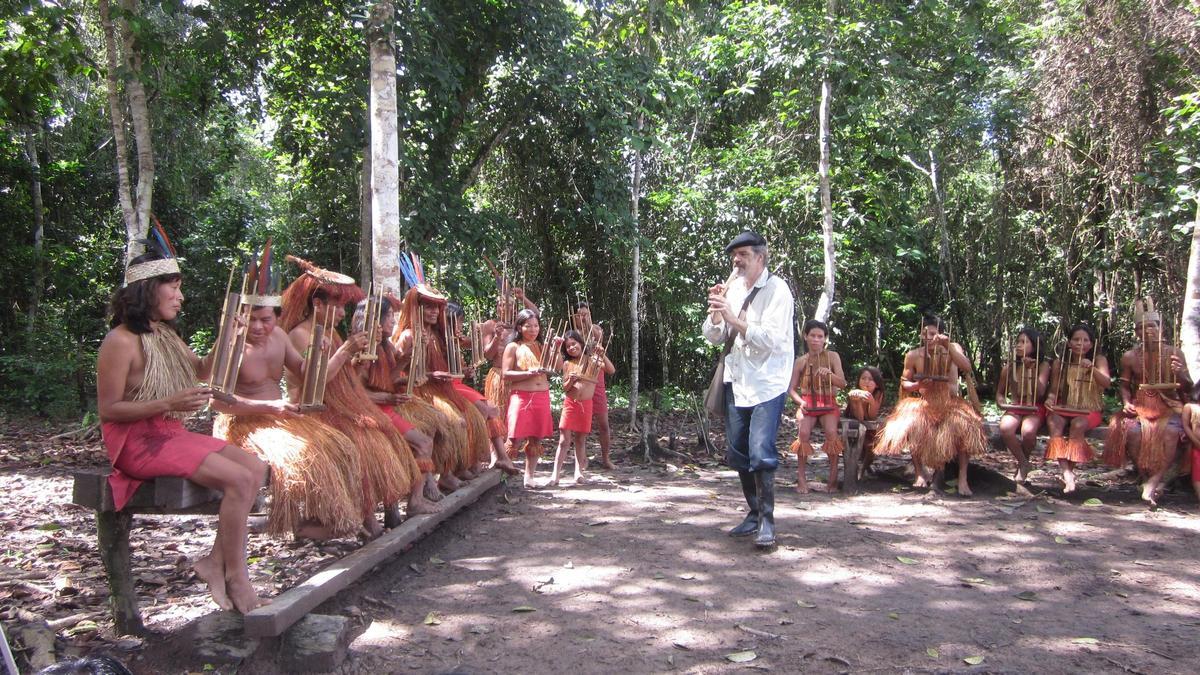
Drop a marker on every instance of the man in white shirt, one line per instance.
(758, 367)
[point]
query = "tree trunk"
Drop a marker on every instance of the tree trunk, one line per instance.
(139, 114)
(365, 228)
(35, 191)
(116, 111)
(1190, 331)
(825, 302)
(385, 149)
(634, 297)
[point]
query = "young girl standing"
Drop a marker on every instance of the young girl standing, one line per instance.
(578, 390)
(529, 417)
(816, 378)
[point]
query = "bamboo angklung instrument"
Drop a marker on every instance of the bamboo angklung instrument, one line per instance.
(417, 371)
(226, 336)
(373, 315)
(594, 363)
(454, 357)
(316, 363)
(231, 338)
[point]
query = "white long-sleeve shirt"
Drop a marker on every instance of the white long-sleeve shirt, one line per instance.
(760, 363)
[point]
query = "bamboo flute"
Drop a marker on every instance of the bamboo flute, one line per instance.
(323, 375)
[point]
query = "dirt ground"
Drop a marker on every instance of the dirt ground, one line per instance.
(634, 573)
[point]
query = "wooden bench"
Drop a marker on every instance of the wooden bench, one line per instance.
(159, 496)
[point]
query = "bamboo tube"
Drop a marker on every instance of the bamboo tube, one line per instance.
(221, 346)
(312, 364)
(323, 373)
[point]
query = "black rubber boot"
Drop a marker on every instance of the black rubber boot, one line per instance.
(765, 482)
(750, 490)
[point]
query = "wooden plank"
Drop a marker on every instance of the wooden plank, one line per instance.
(291, 606)
(161, 495)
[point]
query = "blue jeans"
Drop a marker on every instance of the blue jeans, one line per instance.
(751, 433)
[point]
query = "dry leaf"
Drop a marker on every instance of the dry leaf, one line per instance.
(1028, 596)
(805, 605)
(523, 608)
(973, 660)
(1060, 539)
(741, 657)
(1086, 641)
(907, 561)
(933, 653)
(432, 619)
(1044, 509)
(893, 615)
(1093, 502)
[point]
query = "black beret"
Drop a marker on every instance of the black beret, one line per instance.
(746, 238)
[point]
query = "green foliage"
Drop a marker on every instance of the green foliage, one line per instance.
(519, 123)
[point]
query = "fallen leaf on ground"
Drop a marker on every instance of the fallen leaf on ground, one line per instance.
(893, 615)
(805, 605)
(1028, 596)
(907, 561)
(1092, 502)
(973, 660)
(1085, 641)
(1044, 509)
(432, 619)
(977, 581)
(741, 657)
(933, 653)
(1060, 539)
(523, 608)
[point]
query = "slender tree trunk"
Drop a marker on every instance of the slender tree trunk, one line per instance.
(365, 227)
(1190, 333)
(635, 296)
(35, 191)
(385, 149)
(139, 114)
(825, 302)
(116, 111)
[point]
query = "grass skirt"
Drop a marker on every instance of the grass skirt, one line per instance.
(494, 389)
(390, 470)
(456, 452)
(934, 428)
(315, 472)
(1071, 449)
(1156, 417)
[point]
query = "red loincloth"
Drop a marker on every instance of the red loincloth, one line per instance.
(576, 416)
(149, 448)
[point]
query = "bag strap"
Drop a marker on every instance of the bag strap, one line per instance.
(733, 334)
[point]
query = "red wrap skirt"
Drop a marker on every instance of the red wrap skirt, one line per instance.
(529, 414)
(149, 448)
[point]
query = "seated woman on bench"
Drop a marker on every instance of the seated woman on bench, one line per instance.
(145, 386)
(862, 405)
(1021, 393)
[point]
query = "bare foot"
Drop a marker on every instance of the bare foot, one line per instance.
(418, 504)
(506, 466)
(1069, 482)
(432, 493)
(313, 530)
(964, 490)
(241, 591)
(607, 465)
(920, 482)
(580, 479)
(1022, 473)
(210, 572)
(802, 488)
(529, 483)
(448, 483)
(371, 528)
(831, 486)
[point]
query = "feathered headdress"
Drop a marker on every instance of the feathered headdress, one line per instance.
(414, 276)
(264, 283)
(1143, 312)
(168, 264)
(339, 289)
